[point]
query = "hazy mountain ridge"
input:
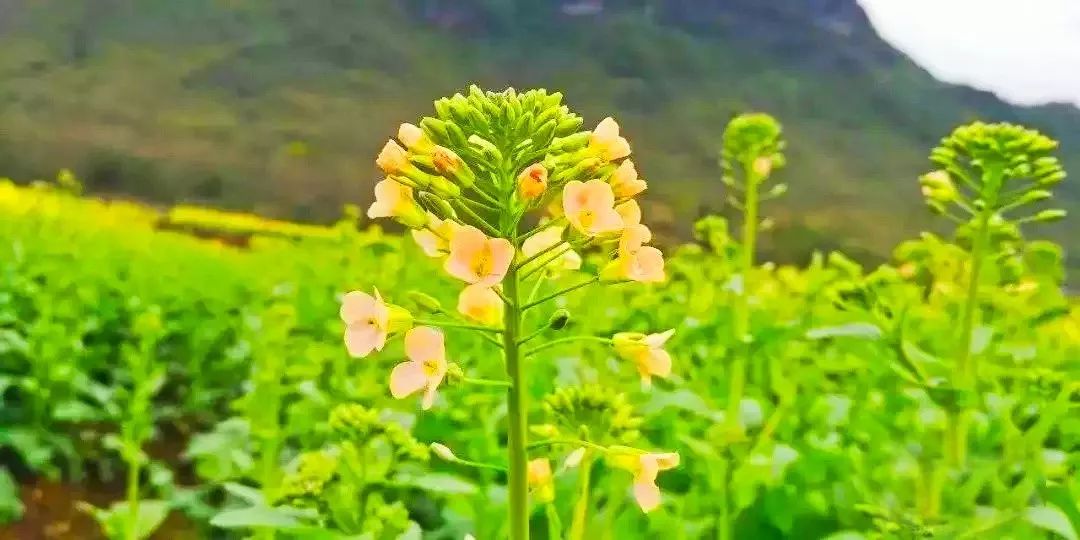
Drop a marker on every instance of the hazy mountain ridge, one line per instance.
(278, 105)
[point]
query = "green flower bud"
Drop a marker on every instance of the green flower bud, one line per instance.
(1034, 196)
(583, 170)
(425, 302)
(570, 143)
(1050, 215)
(435, 128)
(443, 452)
(436, 205)
(488, 150)
(592, 412)
(568, 126)
(559, 319)
(449, 164)
(313, 471)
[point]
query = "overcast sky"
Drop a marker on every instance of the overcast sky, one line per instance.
(1026, 51)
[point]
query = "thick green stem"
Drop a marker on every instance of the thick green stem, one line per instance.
(723, 523)
(516, 412)
(955, 443)
(739, 364)
(133, 497)
(581, 509)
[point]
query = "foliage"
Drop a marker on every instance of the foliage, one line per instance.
(919, 397)
(274, 106)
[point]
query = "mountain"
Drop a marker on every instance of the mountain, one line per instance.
(279, 106)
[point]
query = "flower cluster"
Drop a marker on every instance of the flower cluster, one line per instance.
(357, 424)
(987, 170)
(592, 413)
(506, 191)
(304, 486)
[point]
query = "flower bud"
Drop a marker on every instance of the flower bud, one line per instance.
(400, 319)
(568, 126)
(570, 143)
(559, 319)
(435, 128)
(452, 166)
(487, 149)
(1050, 215)
(544, 430)
(392, 158)
(436, 205)
(414, 138)
(762, 166)
(574, 459)
(443, 452)
(1034, 196)
(938, 187)
(585, 168)
(540, 480)
(532, 182)
(543, 133)
(425, 302)
(454, 371)
(777, 191)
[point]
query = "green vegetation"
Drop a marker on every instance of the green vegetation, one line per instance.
(274, 106)
(932, 396)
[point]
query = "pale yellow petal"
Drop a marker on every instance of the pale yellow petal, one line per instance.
(407, 378)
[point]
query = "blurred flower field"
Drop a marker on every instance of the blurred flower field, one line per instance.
(191, 362)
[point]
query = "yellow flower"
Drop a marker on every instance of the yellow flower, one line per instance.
(645, 468)
(392, 159)
(625, 182)
(606, 142)
(414, 138)
(532, 182)
(393, 199)
(551, 239)
(634, 234)
(646, 352)
(425, 368)
(644, 264)
(590, 207)
(434, 239)
(475, 258)
(481, 304)
(762, 166)
(367, 322)
(540, 480)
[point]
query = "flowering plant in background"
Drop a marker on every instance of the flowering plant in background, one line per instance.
(507, 190)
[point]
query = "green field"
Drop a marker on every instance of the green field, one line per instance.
(275, 106)
(183, 371)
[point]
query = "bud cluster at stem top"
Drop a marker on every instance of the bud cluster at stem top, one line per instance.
(990, 169)
(753, 148)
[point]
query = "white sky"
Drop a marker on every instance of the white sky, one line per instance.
(1025, 51)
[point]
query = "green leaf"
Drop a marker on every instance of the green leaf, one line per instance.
(845, 535)
(862, 330)
(680, 399)
(114, 520)
(980, 339)
(446, 484)
(245, 493)
(913, 359)
(1051, 518)
(255, 517)
(1059, 495)
(75, 411)
(11, 507)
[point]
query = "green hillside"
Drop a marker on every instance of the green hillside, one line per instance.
(278, 106)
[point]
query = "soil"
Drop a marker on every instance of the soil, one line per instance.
(51, 514)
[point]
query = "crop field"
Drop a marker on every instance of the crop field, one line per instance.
(494, 349)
